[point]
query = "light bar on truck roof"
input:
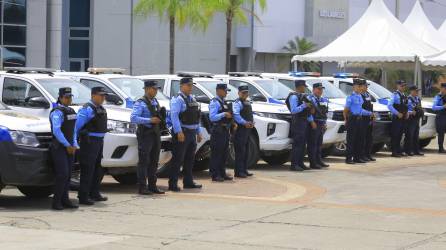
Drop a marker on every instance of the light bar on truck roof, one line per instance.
(97, 71)
(194, 74)
(30, 70)
(244, 74)
(303, 74)
(346, 75)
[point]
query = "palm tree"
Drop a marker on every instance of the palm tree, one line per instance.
(178, 13)
(235, 12)
(302, 46)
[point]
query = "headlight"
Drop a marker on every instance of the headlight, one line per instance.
(269, 115)
(271, 129)
(22, 138)
(119, 127)
(377, 116)
(330, 115)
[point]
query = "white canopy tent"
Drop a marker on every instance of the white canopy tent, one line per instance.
(376, 38)
(435, 61)
(442, 28)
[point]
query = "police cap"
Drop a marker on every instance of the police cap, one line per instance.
(318, 85)
(186, 80)
(413, 87)
(65, 92)
(98, 91)
(298, 83)
(401, 82)
(243, 88)
(359, 81)
(151, 84)
(222, 86)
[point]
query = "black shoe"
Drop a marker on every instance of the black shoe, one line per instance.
(69, 204)
(365, 159)
(241, 176)
(174, 189)
(315, 166)
(57, 207)
(370, 158)
(409, 154)
(296, 169)
(144, 191)
(99, 198)
(396, 155)
(249, 174)
(323, 164)
(193, 185)
(441, 151)
(228, 178)
(349, 161)
(304, 167)
(155, 190)
(360, 161)
(403, 154)
(419, 154)
(87, 202)
(218, 179)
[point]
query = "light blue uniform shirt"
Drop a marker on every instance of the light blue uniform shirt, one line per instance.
(296, 108)
(177, 106)
(214, 108)
(57, 119)
(141, 114)
(354, 104)
(395, 99)
(322, 100)
(83, 117)
(413, 103)
(438, 103)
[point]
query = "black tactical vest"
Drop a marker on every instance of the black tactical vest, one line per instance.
(224, 107)
(99, 122)
(321, 110)
(418, 109)
(403, 107)
(443, 111)
(69, 122)
(191, 116)
(154, 112)
(300, 101)
(367, 105)
(246, 111)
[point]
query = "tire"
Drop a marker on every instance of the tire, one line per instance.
(277, 159)
(340, 149)
(425, 142)
(253, 152)
(126, 179)
(327, 151)
(377, 147)
(36, 192)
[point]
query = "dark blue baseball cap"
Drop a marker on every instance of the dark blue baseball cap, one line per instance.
(98, 91)
(243, 88)
(222, 86)
(65, 92)
(151, 84)
(298, 83)
(186, 80)
(401, 82)
(359, 81)
(318, 85)
(413, 87)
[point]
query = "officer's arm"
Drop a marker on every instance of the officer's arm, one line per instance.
(83, 117)
(348, 104)
(57, 120)
(410, 106)
(437, 104)
(236, 110)
(293, 105)
(136, 116)
(390, 104)
(365, 112)
(214, 116)
(175, 109)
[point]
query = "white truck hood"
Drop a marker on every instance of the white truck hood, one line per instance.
(14, 120)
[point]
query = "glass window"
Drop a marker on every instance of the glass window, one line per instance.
(92, 83)
(79, 33)
(174, 88)
(252, 90)
(75, 66)
(79, 48)
(79, 13)
(330, 90)
(346, 87)
(211, 87)
(379, 90)
(81, 94)
(274, 88)
(15, 11)
(14, 35)
(290, 84)
(132, 87)
(197, 92)
(17, 92)
(14, 57)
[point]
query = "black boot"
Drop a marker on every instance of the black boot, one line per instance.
(143, 190)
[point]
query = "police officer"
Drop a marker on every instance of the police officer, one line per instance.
(63, 120)
(316, 134)
(300, 108)
(185, 115)
(91, 127)
(147, 114)
(416, 112)
(398, 105)
(353, 114)
(221, 118)
(439, 106)
(243, 116)
(367, 124)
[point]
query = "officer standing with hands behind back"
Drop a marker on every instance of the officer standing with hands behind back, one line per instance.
(91, 126)
(243, 116)
(416, 112)
(146, 113)
(439, 107)
(63, 148)
(221, 119)
(185, 115)
(398, 105)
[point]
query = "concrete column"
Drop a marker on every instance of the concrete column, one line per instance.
(35, 33)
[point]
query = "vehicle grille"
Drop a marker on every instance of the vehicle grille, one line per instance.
(45, 139)
(338, 116)
(283, 117)
(385, 116)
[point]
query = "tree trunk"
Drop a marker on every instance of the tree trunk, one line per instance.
(172, 45)
(228, 41)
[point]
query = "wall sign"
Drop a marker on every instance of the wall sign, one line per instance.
(332, 14)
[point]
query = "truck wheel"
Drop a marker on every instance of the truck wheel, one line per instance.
(277, 159)
(327, 151)
(425, 142)
(125, 179)
(377, 147)
(340, 149)
(252, 151)
(36, 192)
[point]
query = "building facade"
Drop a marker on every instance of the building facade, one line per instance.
(76, 34)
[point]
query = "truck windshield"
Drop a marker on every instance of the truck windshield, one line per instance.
(211, 86)
(330, 91)
(379, 90)
(81, 94)
(274, 88)
(133, 88)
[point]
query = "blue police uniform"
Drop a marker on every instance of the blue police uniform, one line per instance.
(354, 104)
(91, 127)
(316, 135)
(242, 111)
(149, 141)
(367, 128)
(185, 116)
(440, 119)
(411, 141)
(62, 121)
(398, 104)
(219, 136)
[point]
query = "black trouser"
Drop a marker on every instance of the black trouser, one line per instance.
(149, 146)
(440, 122)
(240, 144)
(299, 126)
(411, 142)
(354, 137)
(91, 169)
(399, 127)
(183, 154)
(367, 134)
(219, 150)
(315, 138)
(63, 164)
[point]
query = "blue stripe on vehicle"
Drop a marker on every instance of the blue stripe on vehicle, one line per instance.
(4, 135)
(383, 101)
(129, 103)
(272, 100)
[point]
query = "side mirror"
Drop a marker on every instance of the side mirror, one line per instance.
(258, 98)
(113, 99)
(38, 102)
(203, 99)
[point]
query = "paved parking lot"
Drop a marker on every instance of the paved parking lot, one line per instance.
(391, 204)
